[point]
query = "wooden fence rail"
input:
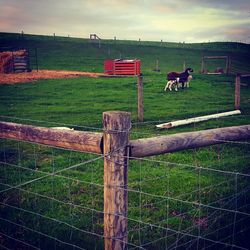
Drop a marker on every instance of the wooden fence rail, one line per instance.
(67, 139)
(115, 145)
(182, 141)
(93, 142)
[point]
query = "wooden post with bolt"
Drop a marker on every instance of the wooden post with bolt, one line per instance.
(140, 99)
(116, 127)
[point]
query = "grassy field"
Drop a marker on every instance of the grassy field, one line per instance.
(163, 190)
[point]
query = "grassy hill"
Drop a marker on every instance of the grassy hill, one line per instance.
(80, 54)
(58, 211)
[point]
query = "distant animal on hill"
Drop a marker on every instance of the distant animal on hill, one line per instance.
(219, 70)
(175, 78)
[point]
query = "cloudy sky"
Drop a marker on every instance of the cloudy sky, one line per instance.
(155, 20)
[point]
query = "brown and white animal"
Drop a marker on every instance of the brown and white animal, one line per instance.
(170, 84)
(186, 84)
(176, 84)
(175, 78)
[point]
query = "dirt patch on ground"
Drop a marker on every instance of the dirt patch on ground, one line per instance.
(44, 74)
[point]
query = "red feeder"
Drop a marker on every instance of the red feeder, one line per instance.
(122, 67)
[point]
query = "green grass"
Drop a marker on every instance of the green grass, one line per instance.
(79, 103)
(79, 54)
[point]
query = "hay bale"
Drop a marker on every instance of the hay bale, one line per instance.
(7, 60)
(6, 64)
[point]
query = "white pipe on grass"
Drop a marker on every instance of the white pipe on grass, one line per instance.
(197, 119)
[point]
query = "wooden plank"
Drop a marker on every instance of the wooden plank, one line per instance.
(197, 119)
(215, 57)
(116, 127)
(172, 143)
(73, 140)
(213, 73)
(20, 71)
(20, 64)
(20, 61)
(245, 75)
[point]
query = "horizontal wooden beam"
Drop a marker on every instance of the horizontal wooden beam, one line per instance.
(93, 142)
(215, 57)
(245, 75)
(172, 143)
(67, 139)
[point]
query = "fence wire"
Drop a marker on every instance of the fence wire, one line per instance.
(200, 203)
(196, 199)
(50, 198)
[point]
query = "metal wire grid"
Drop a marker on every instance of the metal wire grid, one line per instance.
(52, 197)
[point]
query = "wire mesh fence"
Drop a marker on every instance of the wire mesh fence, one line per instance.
(196, 199)
(50, 198)
(184, 206)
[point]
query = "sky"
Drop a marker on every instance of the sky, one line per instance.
(147, 20)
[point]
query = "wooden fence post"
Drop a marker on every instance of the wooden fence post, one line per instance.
(227, 65)
(116, 125)
(237, 92)
(202, 65)
(140, 99)
(157, 68)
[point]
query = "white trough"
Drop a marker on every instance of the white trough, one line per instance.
(197, 119)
